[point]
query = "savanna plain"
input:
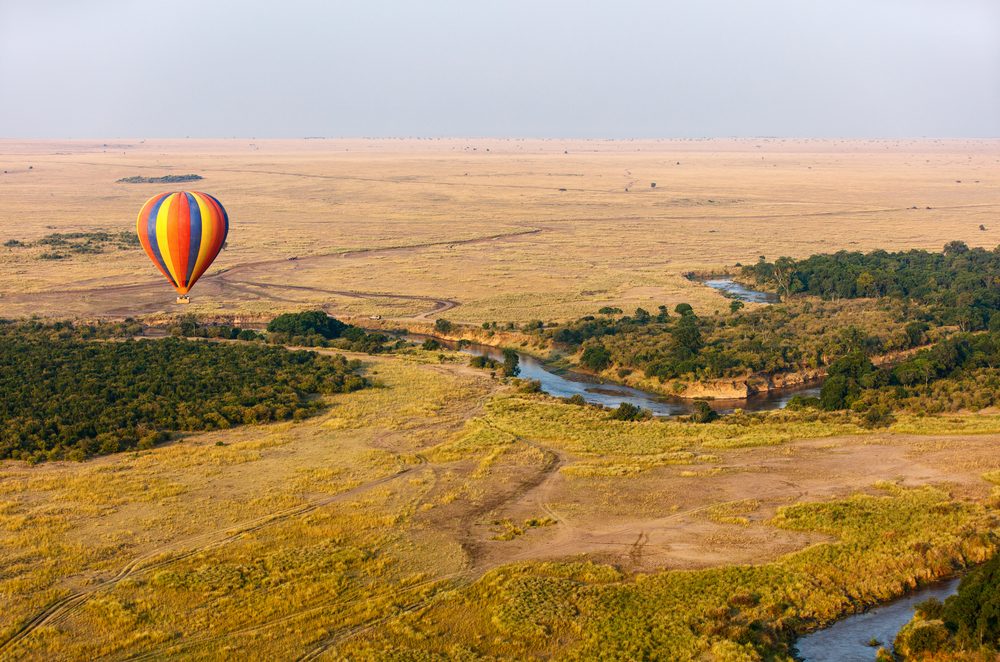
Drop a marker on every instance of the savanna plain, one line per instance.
(444, 511)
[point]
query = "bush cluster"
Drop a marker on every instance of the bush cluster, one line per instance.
(65, 395)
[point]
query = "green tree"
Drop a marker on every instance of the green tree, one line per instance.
(844, 380)
(686, 336)
(629, 412)
(105, 397)
(511, 363)
(703, 412)
(596, 357)
(973, 613)
(866, 284)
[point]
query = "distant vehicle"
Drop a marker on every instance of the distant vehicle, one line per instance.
(375, 317)
(182, 233)
(294, 257)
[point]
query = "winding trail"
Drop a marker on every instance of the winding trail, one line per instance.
(147, 296)
(553, 461)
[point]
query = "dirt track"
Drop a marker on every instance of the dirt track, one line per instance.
(264, 280)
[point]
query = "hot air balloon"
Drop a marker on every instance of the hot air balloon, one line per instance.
(182, 233)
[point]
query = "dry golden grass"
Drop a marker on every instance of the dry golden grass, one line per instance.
(594, 245)
(291, 538)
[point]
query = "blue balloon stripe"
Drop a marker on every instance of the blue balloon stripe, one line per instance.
(195, 240)
(151, 236)
(225, 217)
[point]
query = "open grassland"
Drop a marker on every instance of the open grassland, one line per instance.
(483, 230)
(443, 513)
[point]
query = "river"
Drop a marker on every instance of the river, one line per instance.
(734, 290)
(848, 639)
(594, 391)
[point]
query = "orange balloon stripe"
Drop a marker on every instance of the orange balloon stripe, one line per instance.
(180, 239)
(173, 238)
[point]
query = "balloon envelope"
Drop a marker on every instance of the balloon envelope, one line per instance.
(182, 233)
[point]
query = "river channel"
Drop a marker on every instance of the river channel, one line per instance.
(849, 639)
(568, 383)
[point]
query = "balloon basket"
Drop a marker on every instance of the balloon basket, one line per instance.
(184, 299)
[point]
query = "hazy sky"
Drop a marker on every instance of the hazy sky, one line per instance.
(531, 68)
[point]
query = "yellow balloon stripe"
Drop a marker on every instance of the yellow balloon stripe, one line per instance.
(163, 236)
(208, 231)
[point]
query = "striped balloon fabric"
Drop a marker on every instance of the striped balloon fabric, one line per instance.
(182, 233)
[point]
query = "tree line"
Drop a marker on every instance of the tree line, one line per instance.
(959, 285)
(968, 363)
(313, 328)
(839, 311)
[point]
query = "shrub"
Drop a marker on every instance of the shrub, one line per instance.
(530, 386)
(798, 402)
(877, 416)
(484, 362)
(703, 412)
(629, 412)
(596, 357)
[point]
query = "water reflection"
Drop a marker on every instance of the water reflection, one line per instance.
(734, 290)
(848, 639)
(568, 384)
